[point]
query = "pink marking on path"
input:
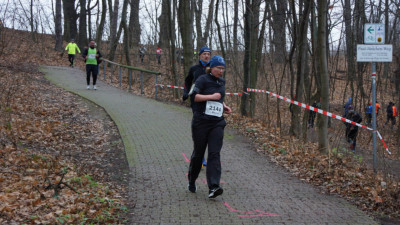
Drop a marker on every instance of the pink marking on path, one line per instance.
(186, 159)
(250, 214)
(232, 209)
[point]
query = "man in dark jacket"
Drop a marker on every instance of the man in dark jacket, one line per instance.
(352, 130)
(391, 112)
(195, 72)
(346, 106)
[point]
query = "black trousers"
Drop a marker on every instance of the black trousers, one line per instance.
(94, 70)
(207, 133)
(391, 118)
(71, 58)
(351, 134)
(158, 59)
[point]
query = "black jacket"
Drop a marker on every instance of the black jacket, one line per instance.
(207, 84)
(194, 72)
(351, 130)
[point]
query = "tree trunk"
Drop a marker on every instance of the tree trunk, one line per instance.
(185, 21)
(126, 32)
(82, 37)
(89, 19)
(279, 27)
(58, 28)
(134, 25)
(100, 29)
(171, 44)
(235, 25)
(323, 143)
(221, 42)
(349, 46)
(31, 21)
(295, 127)
(70, 17)
(198, 9)
(113, 28)
(251, 55)
(114, 44)
(164, 25)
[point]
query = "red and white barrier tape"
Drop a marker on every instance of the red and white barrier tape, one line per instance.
(227, 93)
(171, 86)
(320, 111)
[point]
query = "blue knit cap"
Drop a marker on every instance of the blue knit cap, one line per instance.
(217, 61)
(204, 49)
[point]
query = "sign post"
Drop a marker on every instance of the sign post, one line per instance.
(374, 50)
(374, 115)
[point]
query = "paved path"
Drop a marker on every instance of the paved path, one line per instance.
(157, 139)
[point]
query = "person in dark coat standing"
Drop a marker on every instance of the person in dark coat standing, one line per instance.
(391, 112)
(352, 130)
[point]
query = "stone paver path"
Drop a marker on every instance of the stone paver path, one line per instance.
(157, 140)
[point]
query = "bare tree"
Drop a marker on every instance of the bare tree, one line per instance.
(202, 37)
(82, 37)
(302, 46)
(113, 26)
(171, 44)
(122, 26)
(349, 45)
(100, 28)
(253, 39)
(279, 28)
(221, 42)
(58, 28)
(235, 25)
(323, 143)
(134, 25)
(70, 17)
(185, 21)
(164, 24)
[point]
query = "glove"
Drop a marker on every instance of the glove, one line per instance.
(185, 96)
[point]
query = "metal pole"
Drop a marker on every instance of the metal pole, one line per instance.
(111, 73)
(156, 87)
(374, 114)
(130, 79)
(120, 77)
(104, 71)
(141, 83)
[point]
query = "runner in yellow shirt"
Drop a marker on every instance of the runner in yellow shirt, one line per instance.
(71, 49)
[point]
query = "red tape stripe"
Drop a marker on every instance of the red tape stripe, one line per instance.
(320, 111)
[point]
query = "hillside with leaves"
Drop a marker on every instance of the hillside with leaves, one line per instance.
(61, 160)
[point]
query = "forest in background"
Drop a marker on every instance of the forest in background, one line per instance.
(304, 50)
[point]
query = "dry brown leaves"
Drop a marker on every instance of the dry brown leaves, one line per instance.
(336, 173)
(49, 153)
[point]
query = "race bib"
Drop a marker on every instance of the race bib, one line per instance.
(214, 108)
(92, 56)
